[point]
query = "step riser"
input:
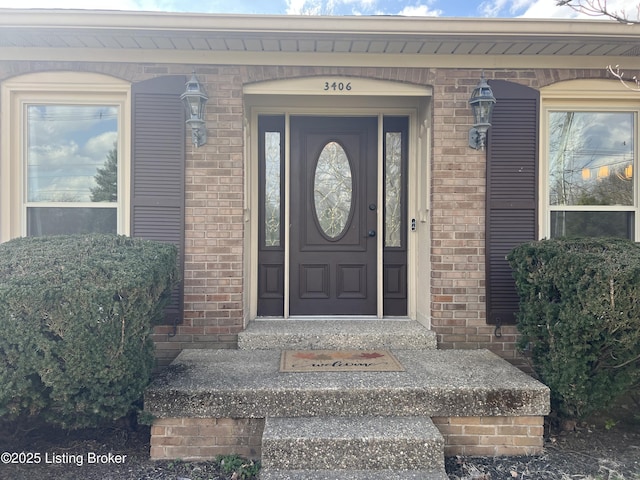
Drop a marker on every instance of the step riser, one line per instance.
(352, 443)
(262, 403)
(248, 384)
(336, 335)
(355, 454)
(350, 475)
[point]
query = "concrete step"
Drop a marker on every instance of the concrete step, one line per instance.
(249, 384)
(351, 475)
(469, 388)
(344, 334)
(372, 444)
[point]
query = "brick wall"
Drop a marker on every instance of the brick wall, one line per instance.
(458, 190)
(492, 436)
(204, 438)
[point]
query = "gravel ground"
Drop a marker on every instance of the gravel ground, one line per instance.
(606, 449)
(588, 453)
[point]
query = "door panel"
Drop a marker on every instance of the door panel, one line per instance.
(333, 216)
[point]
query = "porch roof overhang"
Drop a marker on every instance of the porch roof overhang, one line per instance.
(118, 36)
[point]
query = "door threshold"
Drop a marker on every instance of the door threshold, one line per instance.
(334, 317)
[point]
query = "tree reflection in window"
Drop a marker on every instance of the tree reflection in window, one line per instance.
(591, 164)
(272, 189)
(333, 190)
(591, 158)
(393, 189)
(106, 178)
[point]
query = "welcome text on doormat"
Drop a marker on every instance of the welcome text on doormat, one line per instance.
(339, 361)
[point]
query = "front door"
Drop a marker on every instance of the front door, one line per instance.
(333, 216)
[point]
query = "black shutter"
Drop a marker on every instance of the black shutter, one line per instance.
(158, 170)
(512, 191)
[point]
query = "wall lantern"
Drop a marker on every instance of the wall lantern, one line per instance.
(482, 102)
(194, 99)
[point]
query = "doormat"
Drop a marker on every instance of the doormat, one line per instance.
(339, 361)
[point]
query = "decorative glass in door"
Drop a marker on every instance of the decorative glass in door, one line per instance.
(272, 187)
(333, 190)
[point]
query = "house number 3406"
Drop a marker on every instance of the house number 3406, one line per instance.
(337, 86)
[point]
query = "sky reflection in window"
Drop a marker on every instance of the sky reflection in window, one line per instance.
(70, 148)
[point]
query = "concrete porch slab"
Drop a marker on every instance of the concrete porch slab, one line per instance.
(248, 384)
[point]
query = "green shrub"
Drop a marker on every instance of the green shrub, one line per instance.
(580, 314)
(239, 467)
(75, 317)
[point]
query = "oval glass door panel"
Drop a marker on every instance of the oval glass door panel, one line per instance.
(333, 190)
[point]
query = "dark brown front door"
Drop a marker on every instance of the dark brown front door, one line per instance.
(334, 209)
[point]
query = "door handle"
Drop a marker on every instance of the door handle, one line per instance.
(371, 233)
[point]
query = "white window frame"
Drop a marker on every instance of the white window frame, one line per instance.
(586, 96)
(56, 88)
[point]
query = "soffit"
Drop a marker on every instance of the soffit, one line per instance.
(390, 36)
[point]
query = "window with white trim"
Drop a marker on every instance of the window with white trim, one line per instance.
(590, 160)
(66, 167)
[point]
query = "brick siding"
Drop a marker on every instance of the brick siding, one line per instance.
(492, 436)
(204, 438)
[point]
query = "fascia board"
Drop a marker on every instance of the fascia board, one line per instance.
(423, 27)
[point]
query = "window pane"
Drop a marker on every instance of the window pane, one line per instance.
(67, 221)
(591, 158)
(272, 200)
(592, 224)
(393, 189)
(72, 153)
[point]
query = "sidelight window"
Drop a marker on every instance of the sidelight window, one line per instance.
(272, 188)
(393, 194)
(395, 216)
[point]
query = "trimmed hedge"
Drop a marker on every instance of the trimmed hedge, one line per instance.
(75, 317)
(580, 315)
